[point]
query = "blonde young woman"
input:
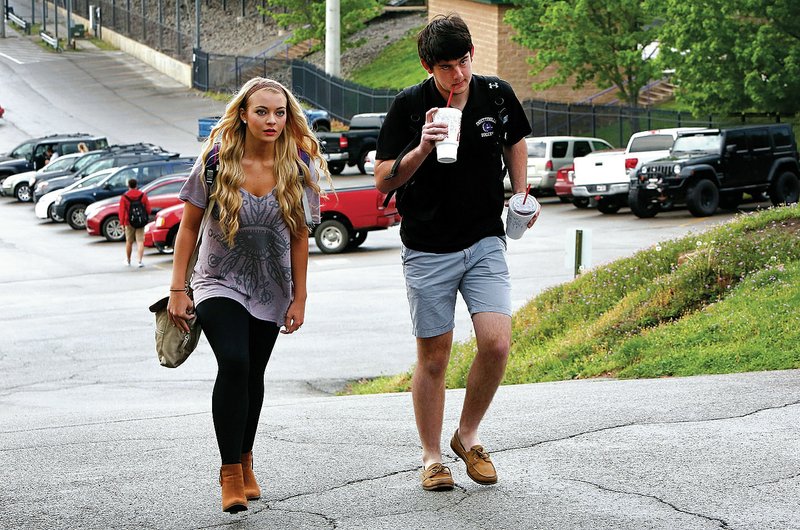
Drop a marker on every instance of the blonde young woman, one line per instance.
(249, 283)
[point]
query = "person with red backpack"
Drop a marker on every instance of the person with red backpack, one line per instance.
(134, 214)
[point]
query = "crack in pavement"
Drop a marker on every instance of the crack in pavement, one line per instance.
(645, 424)
(722, 523)
(92, 423)
(781, 479)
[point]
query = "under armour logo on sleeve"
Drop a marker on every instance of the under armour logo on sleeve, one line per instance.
(494, 85)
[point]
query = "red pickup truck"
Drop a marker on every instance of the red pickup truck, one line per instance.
(346, 218)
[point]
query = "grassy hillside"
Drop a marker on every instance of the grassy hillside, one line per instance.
(722, 301)
(396, 67)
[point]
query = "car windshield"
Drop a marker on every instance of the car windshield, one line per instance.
(91, 180)
(537, 149)
(22, 151)
(84, 161)
(705, 143)
(59, 164)
(651, 142)
(97, 165)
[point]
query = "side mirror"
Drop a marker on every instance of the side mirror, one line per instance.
(730, 149)
(106, 186)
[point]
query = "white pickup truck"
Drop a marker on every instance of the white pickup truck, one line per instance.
(605, 176)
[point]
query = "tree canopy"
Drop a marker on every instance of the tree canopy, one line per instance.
(734, 55)
(589, 41)
(306, 18)
(724, 55)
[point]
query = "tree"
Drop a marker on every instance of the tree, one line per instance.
(307, 17)
(734, 55)
(589, 40)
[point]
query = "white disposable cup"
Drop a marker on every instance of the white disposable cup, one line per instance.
(519, 214)
(447, 149)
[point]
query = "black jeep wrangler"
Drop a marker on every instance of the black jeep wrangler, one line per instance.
(713, 168)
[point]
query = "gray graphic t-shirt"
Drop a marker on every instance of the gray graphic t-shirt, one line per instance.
(257, 270)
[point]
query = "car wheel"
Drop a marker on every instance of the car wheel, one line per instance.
(335, 169)
(607, 206)
(23, 192)
(51, 213)
(702, 198)
(785, 189)
(112, 229)
(322, 127)
(730, 200)
(362, 159)
(641, 205)
(76, 216)
(168, 246)
(331, 236)
(580, 202)
(357, 239)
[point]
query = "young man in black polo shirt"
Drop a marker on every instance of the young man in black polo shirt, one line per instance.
(452, 233)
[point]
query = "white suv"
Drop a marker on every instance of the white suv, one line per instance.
(548, 154)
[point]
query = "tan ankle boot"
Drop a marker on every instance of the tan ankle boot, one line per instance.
(232, 482)
(251, 489)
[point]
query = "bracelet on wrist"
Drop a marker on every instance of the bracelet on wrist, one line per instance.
(177, 290)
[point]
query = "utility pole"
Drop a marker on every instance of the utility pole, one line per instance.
(332, 38)
(3, 19)
(197, 23)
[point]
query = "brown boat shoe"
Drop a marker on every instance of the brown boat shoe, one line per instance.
(479, 465)
(437, 477)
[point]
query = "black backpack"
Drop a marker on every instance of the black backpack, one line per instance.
(137, 213)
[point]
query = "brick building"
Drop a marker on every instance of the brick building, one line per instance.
(496, 54)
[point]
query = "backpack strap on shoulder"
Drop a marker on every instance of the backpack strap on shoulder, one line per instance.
(306, 158)
(212, 166)
(413, 95)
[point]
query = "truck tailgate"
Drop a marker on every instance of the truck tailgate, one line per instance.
(606, 167)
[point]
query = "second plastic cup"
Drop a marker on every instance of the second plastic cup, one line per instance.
(520, 212)
(447, 149)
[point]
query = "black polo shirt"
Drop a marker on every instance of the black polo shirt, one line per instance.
(449, 207)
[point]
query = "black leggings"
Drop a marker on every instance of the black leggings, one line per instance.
(242, 345)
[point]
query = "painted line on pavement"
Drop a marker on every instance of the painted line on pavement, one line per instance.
(11, 58)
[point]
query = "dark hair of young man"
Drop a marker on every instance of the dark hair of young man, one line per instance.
(445, 38)
(132, 183)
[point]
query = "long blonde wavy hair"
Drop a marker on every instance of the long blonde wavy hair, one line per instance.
(229, 133)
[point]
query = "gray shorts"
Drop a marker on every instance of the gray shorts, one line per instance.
(479, 272)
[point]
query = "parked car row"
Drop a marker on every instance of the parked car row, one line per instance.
(701, 168)
(83, 190)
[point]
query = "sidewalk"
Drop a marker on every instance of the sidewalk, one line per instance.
(701, 452)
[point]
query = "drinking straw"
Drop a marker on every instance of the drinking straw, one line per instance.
(526, 194)
(450, 97)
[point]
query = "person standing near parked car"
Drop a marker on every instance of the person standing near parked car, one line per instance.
(452, 233)
(250, 276)
(134, 211)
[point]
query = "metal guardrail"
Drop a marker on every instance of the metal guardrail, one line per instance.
(21, 22)
(49, 39)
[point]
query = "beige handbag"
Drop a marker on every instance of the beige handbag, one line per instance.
(173, 345)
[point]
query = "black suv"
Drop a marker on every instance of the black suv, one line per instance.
(713, 168)
(30, 155)
(71, 205)
(113, 156)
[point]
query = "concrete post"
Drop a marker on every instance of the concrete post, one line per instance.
(332, 38)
